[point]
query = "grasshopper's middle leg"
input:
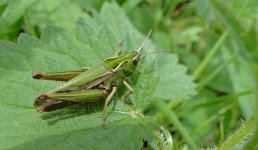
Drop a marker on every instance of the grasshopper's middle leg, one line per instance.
(108, 99)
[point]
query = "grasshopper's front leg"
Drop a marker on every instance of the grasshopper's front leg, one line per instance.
(129, 88)
(58, 76)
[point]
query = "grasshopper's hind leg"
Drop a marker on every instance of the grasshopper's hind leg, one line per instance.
(57, 76)
(108, 99)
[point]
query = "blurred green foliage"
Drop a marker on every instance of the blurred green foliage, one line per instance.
(216, 40)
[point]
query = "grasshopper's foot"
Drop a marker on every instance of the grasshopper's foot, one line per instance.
(127, 100)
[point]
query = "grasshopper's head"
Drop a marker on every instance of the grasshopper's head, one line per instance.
(127, 61)
(132, 58)
(131, 62)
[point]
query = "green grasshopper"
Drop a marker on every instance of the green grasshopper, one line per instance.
(89, 84)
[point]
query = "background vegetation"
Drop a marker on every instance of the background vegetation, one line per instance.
(203, 95)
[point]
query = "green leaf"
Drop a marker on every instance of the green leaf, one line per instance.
(252, 143)
(13, 13)
(241, 77)
(48, 12)
(118, 134)
(240, 72)
(231, 22)
(33, 16)
(173, 82)
(79, 126)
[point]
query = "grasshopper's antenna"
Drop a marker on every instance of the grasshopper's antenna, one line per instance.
(156, 52)
(144, 41)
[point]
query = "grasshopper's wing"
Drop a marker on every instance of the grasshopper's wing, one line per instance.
(89, 77)
(98, 81)
(82, 79)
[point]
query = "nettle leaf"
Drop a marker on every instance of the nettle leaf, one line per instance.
(173, 82)
(79, 126)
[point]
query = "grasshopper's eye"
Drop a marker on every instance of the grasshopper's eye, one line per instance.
(135, 60)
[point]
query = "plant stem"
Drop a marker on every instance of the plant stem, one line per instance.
(207, 59)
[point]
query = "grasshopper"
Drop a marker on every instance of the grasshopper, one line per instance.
(89, 84)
